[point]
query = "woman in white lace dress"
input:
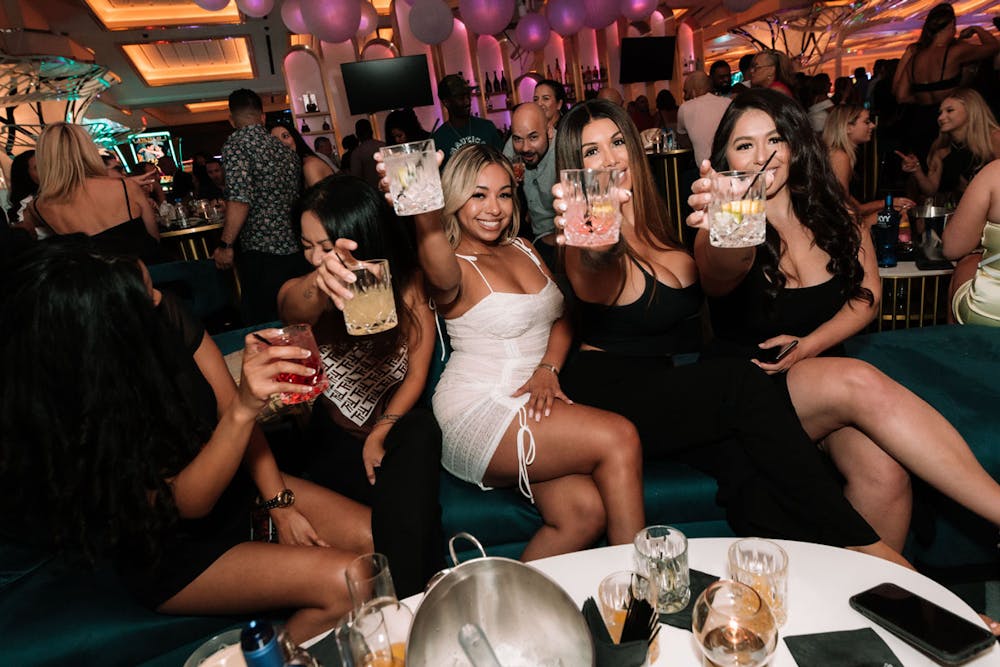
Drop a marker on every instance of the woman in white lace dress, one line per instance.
(503, 416)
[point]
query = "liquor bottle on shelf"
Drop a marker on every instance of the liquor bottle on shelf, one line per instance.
(305, 127)
(548, 70)
(559, 73)
(588, 76)
(497, 86)
(489, 86)
(504, 85)
(326, 125)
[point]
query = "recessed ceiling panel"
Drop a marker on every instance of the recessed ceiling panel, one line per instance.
(129, 14)
(166, 63)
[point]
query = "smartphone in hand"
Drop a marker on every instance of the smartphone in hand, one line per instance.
(944, 636)
(773, 355)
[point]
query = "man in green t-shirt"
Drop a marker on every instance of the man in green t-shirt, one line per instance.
(461, 128)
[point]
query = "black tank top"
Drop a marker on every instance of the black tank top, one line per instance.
(661, 322)
(934, 86)
(959, 163)
(747, 316)
(128, 238)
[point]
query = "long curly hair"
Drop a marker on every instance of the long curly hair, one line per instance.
(350, 208)
(90, 421)
(816, 196)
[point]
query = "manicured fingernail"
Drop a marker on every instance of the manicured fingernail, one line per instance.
(305, 353)
(548, 412)
(312, 371)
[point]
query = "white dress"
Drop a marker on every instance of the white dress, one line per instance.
(496, 346)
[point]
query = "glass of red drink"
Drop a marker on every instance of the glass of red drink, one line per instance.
(300, 335)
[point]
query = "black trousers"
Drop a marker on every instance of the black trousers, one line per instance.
(261, 276)
(406, 512)
(726, 418)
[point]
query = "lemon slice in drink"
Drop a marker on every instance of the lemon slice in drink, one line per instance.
(403, 176)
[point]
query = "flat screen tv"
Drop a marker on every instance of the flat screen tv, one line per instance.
(389, 83)
(646, 59)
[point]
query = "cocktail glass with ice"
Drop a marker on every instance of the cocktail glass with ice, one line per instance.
(593, 208)
(737, 217)
(414, 179)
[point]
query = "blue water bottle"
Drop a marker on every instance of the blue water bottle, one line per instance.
(260, 645)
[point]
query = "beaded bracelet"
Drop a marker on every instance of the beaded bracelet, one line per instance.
(549, 367)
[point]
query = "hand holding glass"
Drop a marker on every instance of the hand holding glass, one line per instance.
(414, 179)
(593, 214)
(300, 335)
(736, 214)
(373, 308)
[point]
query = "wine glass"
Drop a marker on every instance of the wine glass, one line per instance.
(733, 626)
(370, 585)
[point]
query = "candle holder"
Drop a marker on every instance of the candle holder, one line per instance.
(733, 626)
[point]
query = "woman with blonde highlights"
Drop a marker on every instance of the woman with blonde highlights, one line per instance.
(504, 419)
(847, 127)
(75, 194)
(969, 138)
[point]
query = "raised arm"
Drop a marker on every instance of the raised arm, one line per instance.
(293, 527)
(719, 269)
(964, 231)
(437, 259)
(967, 52)
(199, 484)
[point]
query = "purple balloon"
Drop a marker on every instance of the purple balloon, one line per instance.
(369, 18)
(291, 15)
(212, 5)
(638, 10)
(431, 21)
(255, 8)
(486, 17)
(600, 13)
(532, 32)
(332, 20)
(565, 16)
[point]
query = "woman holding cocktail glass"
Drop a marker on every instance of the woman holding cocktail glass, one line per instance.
(367, 439)
(813, 283)
(107, 416)
(504, 417)
(638, 300)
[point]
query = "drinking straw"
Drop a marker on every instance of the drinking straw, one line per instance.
(757, 175)
(262, 339)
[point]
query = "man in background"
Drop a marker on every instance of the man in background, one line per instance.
(262, 185)
(531, 139)
(721, 76)
(363, 157)
(746, 62)
(700, 114)
(182, 184)
(461, 128)
(324, 150)
(612, 95)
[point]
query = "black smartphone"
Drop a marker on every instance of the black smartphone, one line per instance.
(773, 355)
(944, 636)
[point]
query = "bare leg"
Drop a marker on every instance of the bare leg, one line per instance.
(574, 516)
(341, 522)
(256, 576)
(877, 486)
(829, 393)
(578, 440)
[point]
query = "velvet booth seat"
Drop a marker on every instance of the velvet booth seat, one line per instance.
(52, 615)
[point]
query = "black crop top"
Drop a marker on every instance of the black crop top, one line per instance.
(934, 86)
(747, 316)
(661, 322)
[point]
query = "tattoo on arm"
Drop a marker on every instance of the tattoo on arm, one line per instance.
(310, 292)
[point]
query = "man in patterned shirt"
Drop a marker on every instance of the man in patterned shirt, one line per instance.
(262, 185)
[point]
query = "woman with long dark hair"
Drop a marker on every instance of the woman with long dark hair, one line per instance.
(550, 95)
(112, 447)
(23, 183)
(402, 126)
(314, 169)
(368, 438)
(638, 301)
(815, 281)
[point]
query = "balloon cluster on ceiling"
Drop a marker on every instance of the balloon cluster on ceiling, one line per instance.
(431, 21)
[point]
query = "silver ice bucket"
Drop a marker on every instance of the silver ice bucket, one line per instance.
(932, 220)
(525, 616)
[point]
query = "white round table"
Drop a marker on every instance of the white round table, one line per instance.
(821, 579)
